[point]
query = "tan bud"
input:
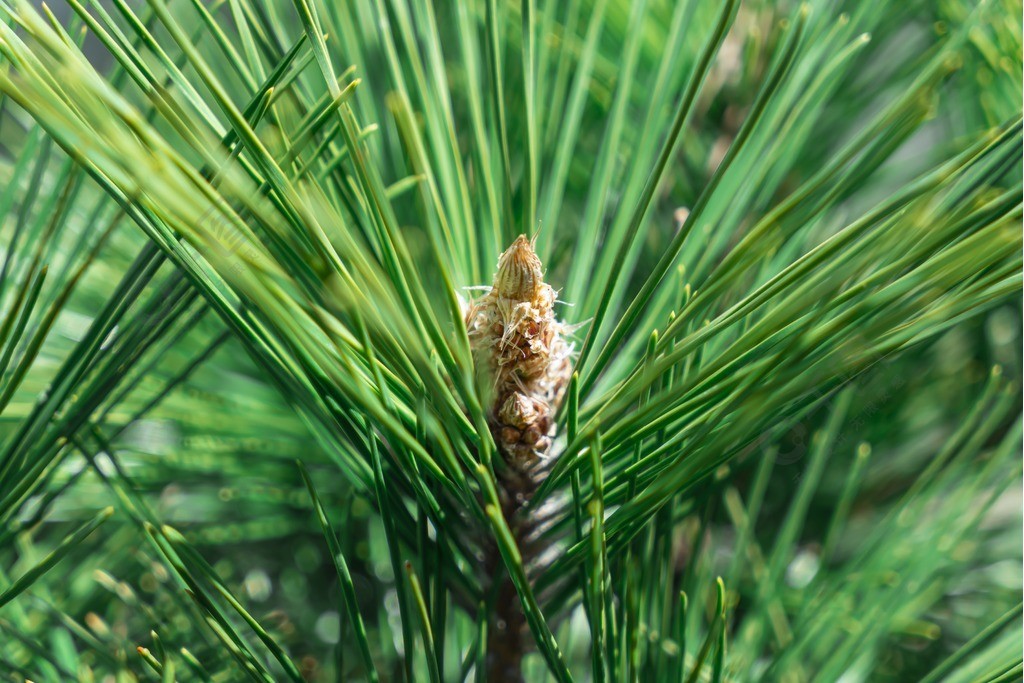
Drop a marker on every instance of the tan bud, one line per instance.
(518, 410)
(509, 435)
(519, 350)
(519, 274)
(531, 436)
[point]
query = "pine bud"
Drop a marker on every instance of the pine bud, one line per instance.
(519, 276)
(518, 343)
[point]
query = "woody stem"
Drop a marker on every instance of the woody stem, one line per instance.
(507, 637)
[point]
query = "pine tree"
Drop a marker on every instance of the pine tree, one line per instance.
(590, 340)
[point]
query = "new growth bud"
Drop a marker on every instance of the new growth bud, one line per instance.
(519, 274)
(519, 344)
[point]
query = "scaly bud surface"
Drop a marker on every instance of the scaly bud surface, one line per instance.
(519, 343)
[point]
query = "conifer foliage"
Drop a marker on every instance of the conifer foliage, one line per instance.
(610, 340)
